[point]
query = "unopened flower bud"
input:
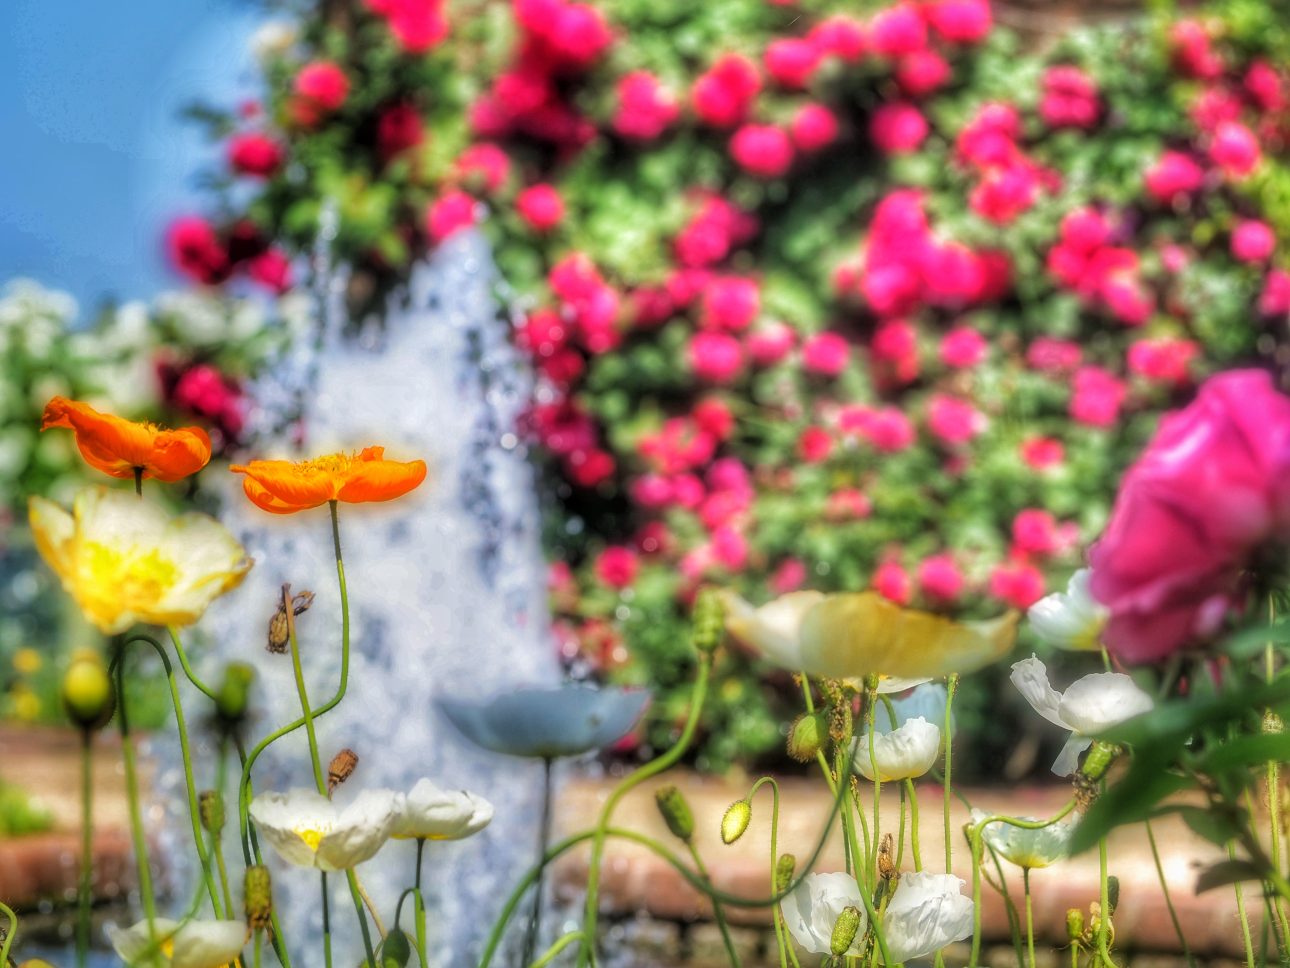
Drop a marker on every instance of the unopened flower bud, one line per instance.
(785, 867)
(342, 766)
(210, 806)
(841, 725)
(396, 951)
(233, 695)
(845, 931)
(35, 963)
(806, 737)
(87, 693)
(1074, 925)
(707, 621)
(257, 896)
(676, 812)
(1099, 760)
(736, 820)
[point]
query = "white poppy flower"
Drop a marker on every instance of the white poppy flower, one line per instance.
(1072, 619)
(774, 629)
(1089, 706)
(814, 906)
(309, 830)
(1025, 847)
(273, 39)
(433, 814)
(926, 700)
(196, 944)
(927, 912)
(905, 752)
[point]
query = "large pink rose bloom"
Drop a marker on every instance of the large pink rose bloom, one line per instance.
(1211, 490)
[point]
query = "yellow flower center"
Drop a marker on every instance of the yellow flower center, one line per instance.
(311, 836)
(328, 464)
(129, 576)
(168, 947)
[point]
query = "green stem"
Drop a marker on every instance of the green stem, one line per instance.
(871, 703)
(217, 836)
(1104, 900)
(1030, 918)
(560, 944)
(951, 686)
(532, 935)
(184, 664)
(259, 943)
(1241, 914)
(717, 913)
(132, 797)
(587, 949)
(1164, 890)
(84, 898)
(912, 792)
(326, 918)
(418, 902)
(276, 937)
(10, 933)
(776, 918)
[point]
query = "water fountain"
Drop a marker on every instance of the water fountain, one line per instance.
(446, 590)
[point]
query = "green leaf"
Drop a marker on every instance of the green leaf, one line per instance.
(1227, 872)
(1133, 799)
(1244, 752)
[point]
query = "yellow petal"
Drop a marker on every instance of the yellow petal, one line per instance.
(862, 634)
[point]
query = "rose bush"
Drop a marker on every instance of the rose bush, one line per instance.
(815, 298)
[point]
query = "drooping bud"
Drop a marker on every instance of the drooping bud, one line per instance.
(737, 817)
(806, 737)
(845, 931)
(87, 693)
(234, 693)
(708, 620)
(257, 896)
(785, 867)
(280, 623)
(676, 812)
(1074, 925)
(396, 950)
(342, 766)
(210, 807)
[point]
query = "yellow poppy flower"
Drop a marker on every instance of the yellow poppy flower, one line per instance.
(126, 561)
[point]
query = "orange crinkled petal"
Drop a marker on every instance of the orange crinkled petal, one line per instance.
(292, 487)
(381, 480)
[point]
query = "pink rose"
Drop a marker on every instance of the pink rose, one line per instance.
(1042, 453)
(762, 150)
(1173, 175)
(255, 154)
(952, 420)
(848, 504)
(645, 109)
(417, 25)
(963, 348)
(1035, 531)
(1097, 398)
(788, 577)
(652, 491)
(485, 165)
(715, 357)
(840, 36)
(889, 430)
(1265, 86)
(730, 303)
(771, 343)
(617, 566)
(713, 417)
(814, 445)
(897, 30)
(960, 21)
(825, 354)
(399, 128)
(541, 207)
(1253, 241)
(1070, 98)
(898, 128)
(813, 127)
(1274, 300)
(990, 137)
(1050, 355)
(724, 93)
(922, 72)
(196, 251)
(1210, 490)
(1166, 360)
(449, 214)
(791, 61)
(589, 468)
(1017, 583)
(730, 548)
(321, 86)
(1235, 149)
(891, 581)
(1193, 53)
(1004, 193)
(271, 269)
(940, 579)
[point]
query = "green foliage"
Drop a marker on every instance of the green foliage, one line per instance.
(20, 814)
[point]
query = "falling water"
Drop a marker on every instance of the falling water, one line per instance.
(446, 592)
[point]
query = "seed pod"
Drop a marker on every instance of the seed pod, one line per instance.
(210, 807)
(736, 820)
(233, 695)
(257, 896)
(676, 812)
(342, 765)
(885, 866)
(396, 951)
(301, 602)
(707, 621)
(279, 632)
(845, 931)
(1074, 925)
(784, 870)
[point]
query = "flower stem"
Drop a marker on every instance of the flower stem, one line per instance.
(418, 901)
(776, 918)
(912, 792)
(217, 836)
(1241, 913)
(871, 703)
(10, 933)
(1164, 890)
(717, 913)
(951, 686)
(552, 952)
(1030, 919)
(258, 945)
(138, 482)
(326, 918)
(534, 931)
(132, 798)
(1104, 900)
(84, 898)
(587, 949)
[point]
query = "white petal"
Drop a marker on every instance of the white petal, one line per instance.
(903, 753)
(1099, 701)
(280, 818)
(1067, 761)
(432, 813)
(1031, 848)
(208, 944)
(773, 630)
(927, 912)
(361, 830)
(131, 943)
(813, 908)
(1030, 676)
(890, 684)
(1070, 620)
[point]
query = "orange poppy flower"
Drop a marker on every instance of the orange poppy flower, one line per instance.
(123, 448)
(284, 486)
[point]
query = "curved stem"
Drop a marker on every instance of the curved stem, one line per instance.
(775, 915)
(184, 664)
(1104, 922)
(1164, 890)
(1241, 915)
(951, 686)
(871, 703)
(561, 943)
(10, 933)
(132, 798)
(718, 915)
(84, 898)
(544, 841)
(185, 752)
(587, 950)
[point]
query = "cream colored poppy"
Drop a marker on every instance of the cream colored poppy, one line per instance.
(1027, 847)
(1072, 619)
(125, 560)
(194, 944)
(430, 813)
(903, 753)
(308, 830)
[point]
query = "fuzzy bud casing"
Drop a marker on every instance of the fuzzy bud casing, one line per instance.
(396, 950)
(257, 895)
(210, 806)
(785, 867)
(806, 736)
(676, 812)
(845, 931)
(708, 620)
(737, 817)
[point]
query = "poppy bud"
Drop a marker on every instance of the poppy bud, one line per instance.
(806, 737)
(841, 725)
(257, 896)
(87, 693)
(233, 695)
(1074, 925)
(396, 951)
(736, 820)
(342, 766)
(35, 963)
(845, 931)
(1099, 760)
(676, 812)
(210, 806)
(707, 621)
(784, 870)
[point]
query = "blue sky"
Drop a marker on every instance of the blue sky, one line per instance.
(93, 158)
